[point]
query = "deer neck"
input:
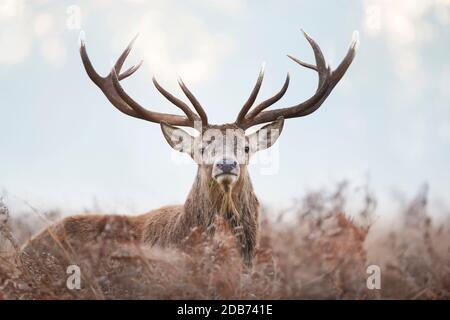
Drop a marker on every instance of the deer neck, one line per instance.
(207, 200)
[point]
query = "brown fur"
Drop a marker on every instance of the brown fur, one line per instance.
(238, 206)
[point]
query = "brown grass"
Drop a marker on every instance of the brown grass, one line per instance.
(311, 250)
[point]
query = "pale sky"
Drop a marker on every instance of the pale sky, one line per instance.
(62, 144)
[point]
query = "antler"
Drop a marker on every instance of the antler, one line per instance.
(241, 119)
(112, 89)
(327, 81)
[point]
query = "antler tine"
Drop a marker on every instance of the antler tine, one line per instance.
(104, 83)
(198, 107)
(93, 75)
(111, 88)
(321, 65)
(177, 102)
(327, 81)
(348, 59)
(267, 103)
(302, 63)
(251, 99)
(130, 70)
(120, 61)
(144, 113)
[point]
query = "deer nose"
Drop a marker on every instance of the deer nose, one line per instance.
(227, 165)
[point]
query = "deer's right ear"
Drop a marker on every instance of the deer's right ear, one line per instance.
(177, 138)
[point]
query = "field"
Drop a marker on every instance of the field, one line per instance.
(309, 250)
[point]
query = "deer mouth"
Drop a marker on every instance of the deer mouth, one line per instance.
(229, 174)
(226, 180)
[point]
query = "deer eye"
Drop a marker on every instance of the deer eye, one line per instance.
(202, 150)
(247, 149)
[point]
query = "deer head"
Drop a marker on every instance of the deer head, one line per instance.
(221, 151)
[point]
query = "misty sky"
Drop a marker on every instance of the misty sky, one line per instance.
(62, 144)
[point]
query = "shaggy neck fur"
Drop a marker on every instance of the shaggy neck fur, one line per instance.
(237, 205)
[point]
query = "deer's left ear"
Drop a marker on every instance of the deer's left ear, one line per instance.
(266, 136)
(177, 138)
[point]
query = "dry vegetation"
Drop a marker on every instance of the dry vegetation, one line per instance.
(311, 250)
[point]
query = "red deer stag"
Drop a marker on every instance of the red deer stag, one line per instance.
(222, 186)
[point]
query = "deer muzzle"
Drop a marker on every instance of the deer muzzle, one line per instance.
(225, 172)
